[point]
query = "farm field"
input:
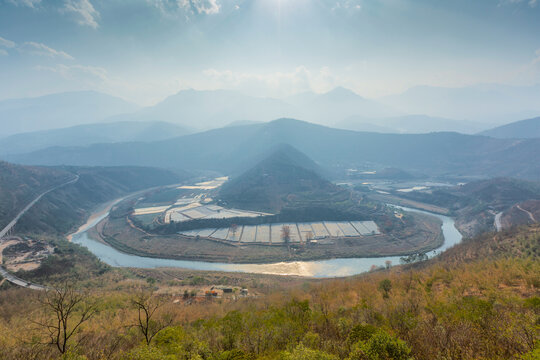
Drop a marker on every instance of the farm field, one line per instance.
(272, 233)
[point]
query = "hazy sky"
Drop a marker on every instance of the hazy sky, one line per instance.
(144, 50)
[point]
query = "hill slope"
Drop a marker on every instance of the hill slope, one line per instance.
(83, 135)
(523, 129)
(269, 183)
(62, 209)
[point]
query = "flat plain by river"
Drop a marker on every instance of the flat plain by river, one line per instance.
(320, 268)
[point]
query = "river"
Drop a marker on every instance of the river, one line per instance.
(320, 268)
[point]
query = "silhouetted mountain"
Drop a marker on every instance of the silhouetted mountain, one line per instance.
(523, 129)
(227, 148)
(489, 103)
(83, 135)
(210, 109)
(268, 185)
(336, 105)
(59, 110)
(409, 124)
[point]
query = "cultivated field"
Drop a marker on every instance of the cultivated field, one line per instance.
(298, 232)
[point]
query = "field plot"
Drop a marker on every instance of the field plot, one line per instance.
(371, 226)
(221, 233)
(198, 211)
(360, 227)
(174, 216)
(348, 229)
(150, 210)
(273, 233)
(206, 232)
(334, 228)
(206, 185)
(234, 236)
(146, 219)
(276, 233)
(249, 234)
(319, 230)
(263, 233)
(305, 229)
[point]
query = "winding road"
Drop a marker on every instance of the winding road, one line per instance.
(12, 278)
(531, 216)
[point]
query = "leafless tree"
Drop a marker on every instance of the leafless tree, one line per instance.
(286, 234)
(234, 230)
(149, 321)
(309, 237)
(66, 309)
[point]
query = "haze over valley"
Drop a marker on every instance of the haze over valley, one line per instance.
(269, 179)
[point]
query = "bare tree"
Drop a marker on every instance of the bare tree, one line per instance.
(149, 323)
(66, 309)
(286, 234)
(309, 237)
(234, 230)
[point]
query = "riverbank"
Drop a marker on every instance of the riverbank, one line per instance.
(322, 268)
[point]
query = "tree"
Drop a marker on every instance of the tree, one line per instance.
(149, 323)
(309, 237)
(380, 346)
(69, 309)
(234, 230)
(286, 234)
(385, 286)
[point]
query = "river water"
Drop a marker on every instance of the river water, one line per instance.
(320, 268)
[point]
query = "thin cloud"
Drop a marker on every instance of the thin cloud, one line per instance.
(3, 52)
(83, 11)
(40, 49)
(28, 3)
(77, 71)
(186, 8)
(300, 79)
(6, 43)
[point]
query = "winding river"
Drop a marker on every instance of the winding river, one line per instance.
(320, 268)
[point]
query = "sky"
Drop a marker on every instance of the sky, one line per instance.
(145, 50)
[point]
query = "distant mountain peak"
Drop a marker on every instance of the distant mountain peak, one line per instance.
(341, 93)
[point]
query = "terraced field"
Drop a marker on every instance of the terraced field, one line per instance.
(298, 232)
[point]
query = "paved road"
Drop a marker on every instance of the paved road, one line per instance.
(9, 277)
(531, 216)
(498, 224)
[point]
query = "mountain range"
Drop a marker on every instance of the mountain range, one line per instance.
(223, 149)
(59, 110)
(417, 110)
(84, 135)
(523, 129)
(487, 103)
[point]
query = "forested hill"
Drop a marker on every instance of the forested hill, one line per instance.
(19, 185)
(62, 209)
(267, 185)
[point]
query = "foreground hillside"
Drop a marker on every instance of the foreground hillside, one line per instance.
(479, 300)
